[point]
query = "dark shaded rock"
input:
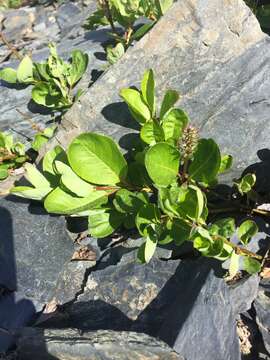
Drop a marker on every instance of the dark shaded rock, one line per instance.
(219, 67)
(124, 296)
(201, 323)
(34, 248)
(15, 312)
(100, 345)
(243, 293)
(70, 281)
(262, 307)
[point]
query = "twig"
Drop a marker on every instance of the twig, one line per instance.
(10, 47)
(28, 118)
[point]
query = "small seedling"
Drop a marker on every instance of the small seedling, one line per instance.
(53, 81)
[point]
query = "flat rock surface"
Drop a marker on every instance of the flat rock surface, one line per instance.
(125, 296)
(262, 307)
(34, 248)
(201, 323)
(99, 345)
(220, 68)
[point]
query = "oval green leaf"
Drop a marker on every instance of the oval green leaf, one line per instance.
(97, 159)
(206, 161)
(162, 163)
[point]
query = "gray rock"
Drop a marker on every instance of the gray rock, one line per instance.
(201, 323)
(101, 345)
(34, 247)
(262, 307)
(70, 281)
(219, 67)
(243, 293)
(18, 24)
(124, 296)
(66, 13)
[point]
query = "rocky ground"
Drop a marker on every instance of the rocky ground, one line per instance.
(67, 296)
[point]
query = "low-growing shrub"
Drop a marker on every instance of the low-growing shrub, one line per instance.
(165, 189)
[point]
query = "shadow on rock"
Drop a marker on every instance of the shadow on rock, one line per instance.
(118, 113)
(15, 311)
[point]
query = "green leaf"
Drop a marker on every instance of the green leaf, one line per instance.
(147, 215)
(49, 159)
(138, 175)
(206, 161)
(128, 202)
(224, 227)
(103, 222)
(148, 90)
(173, 124)
(115, 53)
(170, 98)
(3, 174)
(49, 131)
(142, 31)
(79, 65)
(152, 132)
(202, 240)
(8, 75)
(41, 71)
(35, 177)
(162, 163)
(246, 184)
(39, 141)
(62, 202)
(97, 159)
(191, 203)
(30, 192)
(48, 94)
(246, 231)
(177, 230)
(147, 250)
(252, 266)
(225, 164)
(234, 264)
(73, 182)
(25, 71)
(136, 104)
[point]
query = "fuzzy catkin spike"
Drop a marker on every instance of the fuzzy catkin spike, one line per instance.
(189, 141)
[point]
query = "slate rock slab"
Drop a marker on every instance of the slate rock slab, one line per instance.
(243, 293)
(201, 323)
(101, 345)
(262, 307)
(124, 296)
(219, 67)
(34, 247)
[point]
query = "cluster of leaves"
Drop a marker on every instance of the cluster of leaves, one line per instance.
(53, 81)
(125, 13)
(162, 190)
(12, 155)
